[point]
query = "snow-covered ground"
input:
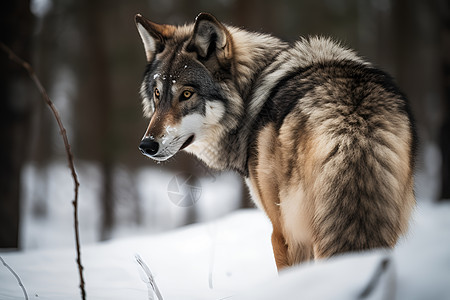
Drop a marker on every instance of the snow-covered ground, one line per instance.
(208, 261)
(231, 258)
(225, 258)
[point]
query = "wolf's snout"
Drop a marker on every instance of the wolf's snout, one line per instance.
(149, 147)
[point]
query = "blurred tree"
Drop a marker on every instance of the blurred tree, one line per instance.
(43, 124)
(96, 103)
(16, 30)
(443, 10)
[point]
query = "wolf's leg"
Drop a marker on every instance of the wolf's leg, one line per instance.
(280, 249)
(287, 255)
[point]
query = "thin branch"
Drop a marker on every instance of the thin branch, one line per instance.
(33, 76)
(17, 277)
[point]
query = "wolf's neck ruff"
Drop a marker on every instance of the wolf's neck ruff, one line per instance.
(252, 56)
(260, 64)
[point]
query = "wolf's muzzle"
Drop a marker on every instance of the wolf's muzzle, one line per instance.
(149, 147)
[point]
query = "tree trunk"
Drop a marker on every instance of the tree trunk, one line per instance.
(15, 23)
(444, 139)
(96, 106)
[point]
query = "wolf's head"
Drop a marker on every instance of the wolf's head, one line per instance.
(187, 92)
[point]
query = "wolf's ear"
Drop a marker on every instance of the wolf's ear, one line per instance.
(154, 36)
(210, 35)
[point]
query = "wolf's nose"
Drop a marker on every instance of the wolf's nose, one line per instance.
(149, 147)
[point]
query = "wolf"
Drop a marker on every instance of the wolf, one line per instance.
(324, 140)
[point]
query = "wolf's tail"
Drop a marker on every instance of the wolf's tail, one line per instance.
(363, 188)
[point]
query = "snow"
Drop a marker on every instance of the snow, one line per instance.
(179, 260)
(231, 258)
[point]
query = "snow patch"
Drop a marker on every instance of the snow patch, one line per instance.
(232, 258)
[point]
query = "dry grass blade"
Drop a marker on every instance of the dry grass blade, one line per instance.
(17, 278)
(149, 280)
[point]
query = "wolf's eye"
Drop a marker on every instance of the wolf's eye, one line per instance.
(186, 95)
(156, 93)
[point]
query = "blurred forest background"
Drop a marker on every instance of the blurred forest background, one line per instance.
(89, 57)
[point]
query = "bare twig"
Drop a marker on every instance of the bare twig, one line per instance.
(33, 76)
(17, 277)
